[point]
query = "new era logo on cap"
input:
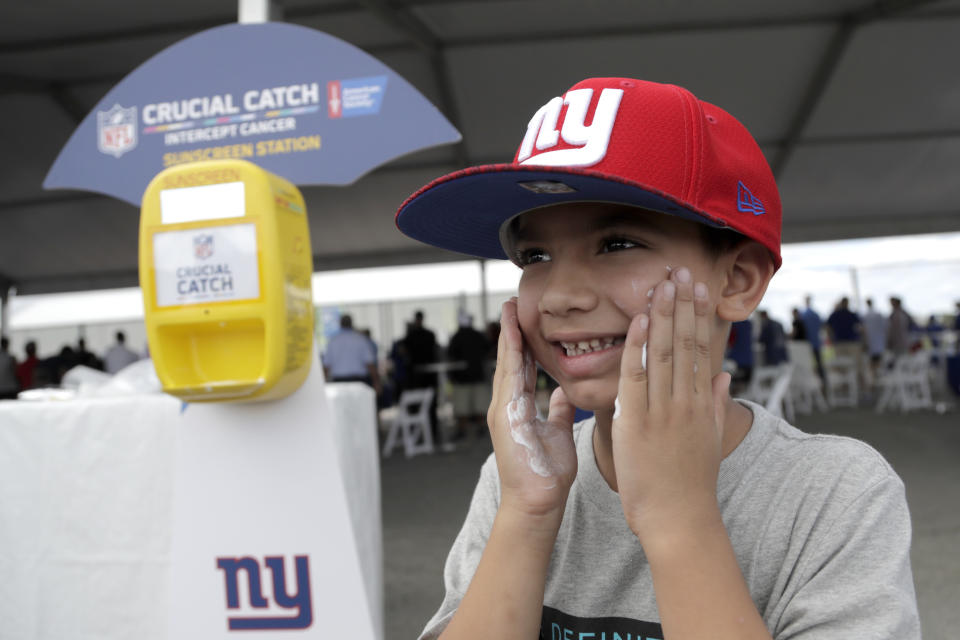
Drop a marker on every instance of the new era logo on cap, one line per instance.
(747, 202)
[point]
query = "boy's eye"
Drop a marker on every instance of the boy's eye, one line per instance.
(617, 243)
(523, 257)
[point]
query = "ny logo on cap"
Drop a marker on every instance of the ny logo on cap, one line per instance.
(591, 141)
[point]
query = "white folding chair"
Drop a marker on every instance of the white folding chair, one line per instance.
(906, 386)
(411, 424)
(761, 383)
(842, 387)
(779, 402)
(769, 386)
(806, 388)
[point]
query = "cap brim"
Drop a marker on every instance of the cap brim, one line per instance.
(465, 211)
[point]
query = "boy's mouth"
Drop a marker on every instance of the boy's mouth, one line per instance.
(589, 346)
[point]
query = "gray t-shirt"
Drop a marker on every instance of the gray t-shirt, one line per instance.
(819, 525)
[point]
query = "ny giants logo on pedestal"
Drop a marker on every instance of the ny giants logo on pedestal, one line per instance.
(298, 601)
(590, 141)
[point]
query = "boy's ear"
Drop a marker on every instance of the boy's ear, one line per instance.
(749, 267)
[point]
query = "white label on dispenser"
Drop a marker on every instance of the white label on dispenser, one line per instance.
(206, 202)
(213, 264)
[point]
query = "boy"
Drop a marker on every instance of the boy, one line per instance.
(676, 512)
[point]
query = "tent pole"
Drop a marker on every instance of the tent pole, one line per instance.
(258, 11)
(483, 294)
(855, 281)
(7, 293)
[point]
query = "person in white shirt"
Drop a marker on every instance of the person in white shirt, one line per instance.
(875, 334)
(119, 355)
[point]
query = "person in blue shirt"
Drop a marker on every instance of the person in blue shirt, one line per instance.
(740, 350)
(935, 331)
(774, 340)
(844, 324)
(812, 324)
(350, 358)
(844, 327)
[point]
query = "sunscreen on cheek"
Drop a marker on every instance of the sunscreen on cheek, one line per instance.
(524, 424)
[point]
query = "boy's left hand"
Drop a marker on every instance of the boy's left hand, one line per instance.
(668, 426)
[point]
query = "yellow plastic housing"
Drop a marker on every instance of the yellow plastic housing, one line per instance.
(225, 270)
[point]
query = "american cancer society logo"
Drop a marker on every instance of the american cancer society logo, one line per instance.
(355, 97)
(117, 130)
(203, 246)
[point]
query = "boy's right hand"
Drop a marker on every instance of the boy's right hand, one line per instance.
(536, 459)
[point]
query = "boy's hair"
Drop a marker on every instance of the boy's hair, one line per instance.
(718, 242)
(648, 145)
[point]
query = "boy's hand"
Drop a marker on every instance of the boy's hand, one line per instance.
(668, 425)
(536, 459)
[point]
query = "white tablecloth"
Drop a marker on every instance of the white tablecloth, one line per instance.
(86, 495)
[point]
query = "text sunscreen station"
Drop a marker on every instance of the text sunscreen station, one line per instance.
(225, 268)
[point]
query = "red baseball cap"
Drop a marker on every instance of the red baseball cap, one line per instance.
(649, 145)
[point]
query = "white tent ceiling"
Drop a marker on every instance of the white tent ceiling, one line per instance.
(855, 103)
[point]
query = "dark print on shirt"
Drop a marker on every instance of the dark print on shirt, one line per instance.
(557, 625)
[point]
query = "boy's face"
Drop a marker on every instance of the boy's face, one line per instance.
(587, 271)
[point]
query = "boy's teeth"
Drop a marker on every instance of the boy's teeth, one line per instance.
(584, 346)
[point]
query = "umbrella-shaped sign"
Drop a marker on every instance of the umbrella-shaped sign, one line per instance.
(298, 102)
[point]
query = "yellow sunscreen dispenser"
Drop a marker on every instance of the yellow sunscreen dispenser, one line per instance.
(225, 270)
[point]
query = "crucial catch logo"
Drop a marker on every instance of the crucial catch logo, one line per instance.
(268, 605)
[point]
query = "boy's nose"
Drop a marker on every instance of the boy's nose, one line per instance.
(567, 289)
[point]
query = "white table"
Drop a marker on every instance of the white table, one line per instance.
(86, 496)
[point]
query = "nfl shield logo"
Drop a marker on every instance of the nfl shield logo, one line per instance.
(203, 246)
(117, 130)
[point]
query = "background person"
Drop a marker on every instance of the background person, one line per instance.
(9, 385)
(844, 327)
(399, 368)
(87, 358)
(119, 355)
(59, 364)
(26, 370)
(811, 326)
(898, 328)
(471, 387)
(797, 329)
(740, 350)
(349, 357)
(875, 334)
(773, 339)
(421, 348)
(934, 331)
